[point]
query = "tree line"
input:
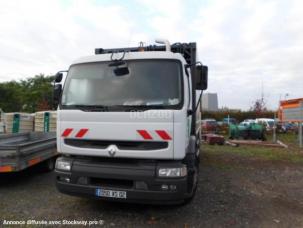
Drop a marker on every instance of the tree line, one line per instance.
(28, 95)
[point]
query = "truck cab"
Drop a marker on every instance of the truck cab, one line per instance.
(129, 122)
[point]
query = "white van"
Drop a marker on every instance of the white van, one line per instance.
(267, 122)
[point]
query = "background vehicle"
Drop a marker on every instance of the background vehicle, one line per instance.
(267, 122)
(209, 125)
(229, 120)
(21, 150)
(282, 127)
(1, 123)
(247, 122)
(1, 127)
(247, 130)
(129, 124)
(289, 127)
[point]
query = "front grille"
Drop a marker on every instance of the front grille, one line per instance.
(101, 182)
(122, 145)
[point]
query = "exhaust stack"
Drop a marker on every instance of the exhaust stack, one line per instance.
(164, 41)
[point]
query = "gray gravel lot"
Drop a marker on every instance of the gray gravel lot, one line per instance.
(233, 192)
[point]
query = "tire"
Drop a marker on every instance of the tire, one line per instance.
(48, 165)
(195, 180)
(192, 195)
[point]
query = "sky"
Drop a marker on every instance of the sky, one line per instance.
(249, 46)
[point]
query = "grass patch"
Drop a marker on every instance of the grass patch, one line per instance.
(291, 139)
(293, 154)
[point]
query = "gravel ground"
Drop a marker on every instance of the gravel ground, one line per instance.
(234, 191)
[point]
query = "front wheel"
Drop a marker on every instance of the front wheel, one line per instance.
(193, 177)
(188, 199)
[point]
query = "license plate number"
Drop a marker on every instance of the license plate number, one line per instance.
(110, 193)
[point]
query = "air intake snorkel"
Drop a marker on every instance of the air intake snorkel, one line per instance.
(166, 42)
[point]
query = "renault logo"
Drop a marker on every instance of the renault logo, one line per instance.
(112, 149)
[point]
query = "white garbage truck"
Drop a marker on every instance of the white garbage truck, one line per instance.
(128, 125)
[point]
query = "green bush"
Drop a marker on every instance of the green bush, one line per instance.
(29, 95)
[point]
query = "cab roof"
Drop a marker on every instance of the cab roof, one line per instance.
(131, 56)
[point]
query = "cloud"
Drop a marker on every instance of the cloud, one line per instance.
(43, 37)
(251, 43)
(245, 43)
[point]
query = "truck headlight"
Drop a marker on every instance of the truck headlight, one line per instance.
(172, 172)
(63, 164)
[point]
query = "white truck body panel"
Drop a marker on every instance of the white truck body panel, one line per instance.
(122, 126)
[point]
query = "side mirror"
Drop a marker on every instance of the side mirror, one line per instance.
(57, 94)
(201, 77)
(58, 77)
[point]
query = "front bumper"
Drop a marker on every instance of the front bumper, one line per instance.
(137, 178)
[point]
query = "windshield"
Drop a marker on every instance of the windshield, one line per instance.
(149, 83)
(271, 123)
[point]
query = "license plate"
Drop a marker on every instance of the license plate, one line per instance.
(110, 193)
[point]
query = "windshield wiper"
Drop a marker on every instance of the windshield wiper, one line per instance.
(90, 108)
(115, 108)
(142, 107)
